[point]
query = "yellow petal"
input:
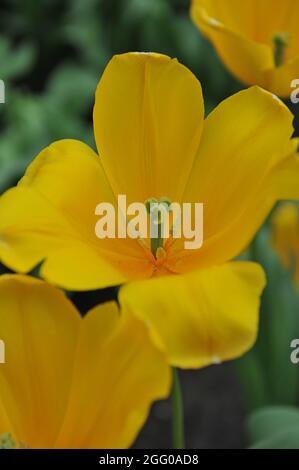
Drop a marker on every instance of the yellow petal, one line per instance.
(72, 382)
(118, 373)
(148, 119)
(30, 228)
(50, 216)
(39, 327)
(201, 317)
(251, 18)
(244, 139)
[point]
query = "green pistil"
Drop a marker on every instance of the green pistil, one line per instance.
(6, 441)
(148, 202)
(281, 41)
(155, 214)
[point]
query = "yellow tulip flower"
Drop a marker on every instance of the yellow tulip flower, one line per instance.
(258, 41)
(153, 142)
(285, 237)
(69, 382)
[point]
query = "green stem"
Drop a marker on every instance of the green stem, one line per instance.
(177, 413)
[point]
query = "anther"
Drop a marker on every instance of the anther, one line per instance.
(281, 41)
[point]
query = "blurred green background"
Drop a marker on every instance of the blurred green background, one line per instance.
(52, 54)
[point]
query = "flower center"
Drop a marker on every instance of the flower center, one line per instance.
(157, 209)
(281, 41)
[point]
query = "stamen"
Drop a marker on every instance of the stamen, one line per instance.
(6, 441)
(281, 41)
(142, 243)
(153, 208)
